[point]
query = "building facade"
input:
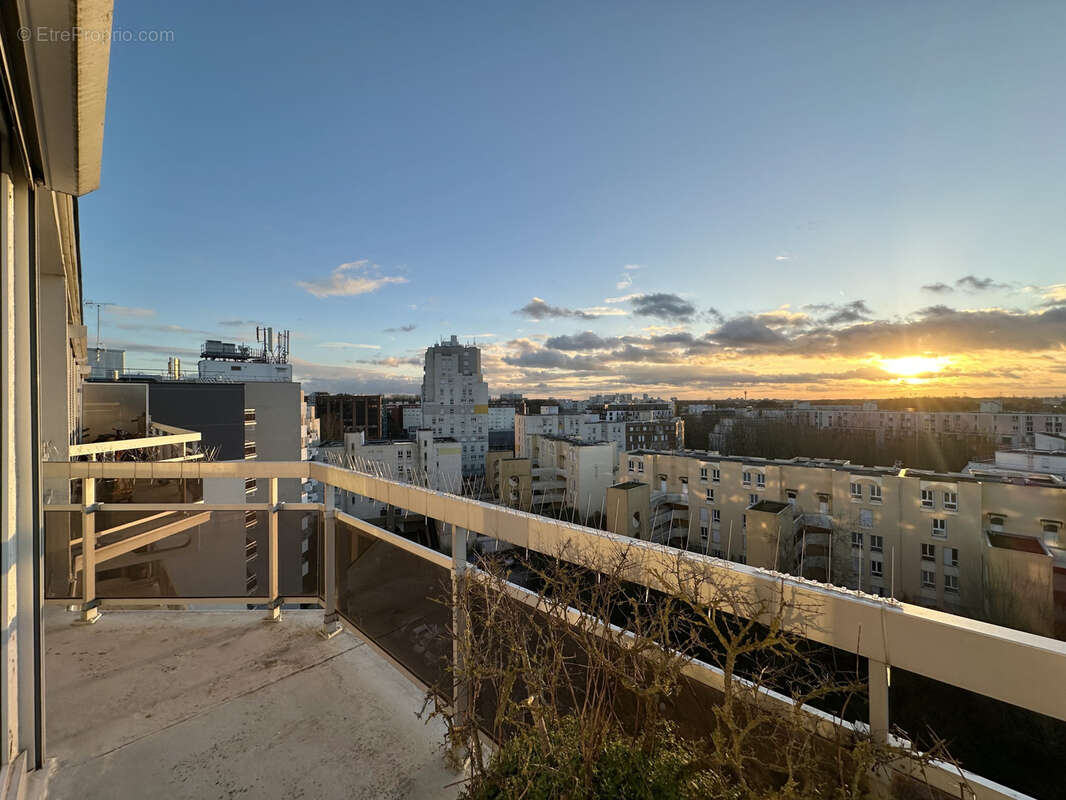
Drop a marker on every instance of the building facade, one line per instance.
(914, 535)
(1010, 428)
(455, 400)
(339, 414)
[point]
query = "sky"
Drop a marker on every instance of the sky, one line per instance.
(685, 199)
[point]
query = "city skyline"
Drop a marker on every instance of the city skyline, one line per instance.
(815, 203)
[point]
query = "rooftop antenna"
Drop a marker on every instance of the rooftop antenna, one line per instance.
(98, 307)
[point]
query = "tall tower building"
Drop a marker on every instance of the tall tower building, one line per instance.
(455, 400)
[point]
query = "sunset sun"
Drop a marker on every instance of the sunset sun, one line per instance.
(910, 366)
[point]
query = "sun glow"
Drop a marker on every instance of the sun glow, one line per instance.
(910, 366)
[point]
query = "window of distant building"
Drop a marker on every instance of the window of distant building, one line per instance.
(877, 543)
(746, 478)
(951, 501)
(716, 476)
(927, 498)
(856, 539)
(856, 491)
(760, 480)
(940, 528)
(710, 495)
(928, 552)
(928, 579)
(951, 556)
(866, 518)
(951, 583)
(875, 493)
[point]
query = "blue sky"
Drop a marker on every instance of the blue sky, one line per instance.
(781, 180)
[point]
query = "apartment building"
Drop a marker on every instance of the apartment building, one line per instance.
(571, 473)
(426, 460)
(509, 479)
(339, 414)
(634, 412)
(455, 400)
(579, 425)
(659, 434)
(1011, 428)
(915, 535)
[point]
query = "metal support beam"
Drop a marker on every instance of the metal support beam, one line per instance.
(878, 687)
(461, 695)
(274, 612)
(90, 611)
(331, 625)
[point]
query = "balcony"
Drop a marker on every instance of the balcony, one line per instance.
(379, 588)
(215, 703)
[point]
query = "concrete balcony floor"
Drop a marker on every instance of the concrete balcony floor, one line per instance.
(219, 704)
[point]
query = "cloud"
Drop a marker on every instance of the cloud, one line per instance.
(238, 323)
(477, 335)
(353, 278)
(743, 331)
(632, 267)
(401, 329)
(127, 311)
(155, 349)
(586, 340)
(357, 380)
(162, 328)
(538, 309)
(393, 361)
(842, 313)
(624, 283)
(664, 306)
(783, 257)
(715, 315)
(974, 284)
(937, 288)
(1054, 295)
(349, 345)
(623, 299)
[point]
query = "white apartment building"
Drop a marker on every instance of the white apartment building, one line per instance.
(581, 426)
(1011, 428)
(920, 536)
(425, 460)
(455, 400)
(571, 473)
(501, 418)
(412, 418)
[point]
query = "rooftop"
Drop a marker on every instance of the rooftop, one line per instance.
(1014, 541)
(770, 506)
(220, 703)
(847, 466)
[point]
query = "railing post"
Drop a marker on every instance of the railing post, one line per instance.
(90, 611)
(331, 625)
(274, 612)
(878, 690)
(461, 690)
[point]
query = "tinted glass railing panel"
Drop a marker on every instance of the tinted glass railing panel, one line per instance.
(146, 490)
(398, 600)
(1007, 744)
(299, 553)
(185, 554)
(62, 535)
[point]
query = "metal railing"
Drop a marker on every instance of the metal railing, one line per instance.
(1009, 666)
